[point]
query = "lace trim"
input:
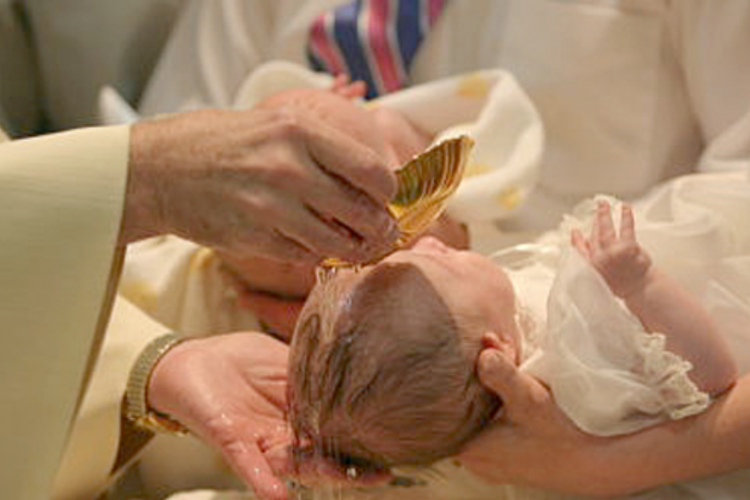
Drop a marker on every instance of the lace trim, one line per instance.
(668, 373)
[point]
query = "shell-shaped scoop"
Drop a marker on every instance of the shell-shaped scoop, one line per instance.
(424, 185)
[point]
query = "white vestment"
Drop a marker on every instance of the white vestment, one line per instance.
(61, 200)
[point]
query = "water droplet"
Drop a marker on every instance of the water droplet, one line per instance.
(324, 274)
(352, 473)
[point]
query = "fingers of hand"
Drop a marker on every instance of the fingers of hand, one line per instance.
(627, 224)
(343, 86)
(523, 396)
(251, 465)
(603, 231)
(340, 82)
(580, 243)
(323, 238)
(273, 245)
(357, 212)
(350, 161)
(496, 370)
(284, 228)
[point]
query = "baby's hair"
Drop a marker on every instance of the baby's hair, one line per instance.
(381, 376)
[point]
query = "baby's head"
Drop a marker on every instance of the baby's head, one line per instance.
(382, 367)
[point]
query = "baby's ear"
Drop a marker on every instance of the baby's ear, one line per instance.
(502, 343)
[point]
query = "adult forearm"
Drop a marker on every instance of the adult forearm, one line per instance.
(142, 215)
(713, 442)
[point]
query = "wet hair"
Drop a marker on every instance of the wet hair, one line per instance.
(381, 376)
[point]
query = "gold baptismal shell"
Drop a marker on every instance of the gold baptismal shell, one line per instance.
(424, 185)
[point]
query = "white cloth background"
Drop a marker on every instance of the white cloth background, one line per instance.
(630, 92)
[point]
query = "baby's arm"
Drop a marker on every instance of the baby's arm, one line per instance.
(658, 301)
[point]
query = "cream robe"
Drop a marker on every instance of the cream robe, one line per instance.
(61, 199)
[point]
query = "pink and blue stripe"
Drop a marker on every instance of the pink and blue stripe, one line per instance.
(372, 40)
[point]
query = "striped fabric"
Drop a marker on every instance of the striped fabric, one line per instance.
(372, 40)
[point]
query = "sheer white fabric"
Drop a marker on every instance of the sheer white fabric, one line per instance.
(606, 372)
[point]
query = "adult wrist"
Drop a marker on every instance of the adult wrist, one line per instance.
(138, 407)
(143, 213)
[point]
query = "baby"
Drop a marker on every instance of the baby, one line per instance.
(382, 367)
(275, 290)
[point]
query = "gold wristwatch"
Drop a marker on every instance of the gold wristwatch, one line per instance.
(136, 395)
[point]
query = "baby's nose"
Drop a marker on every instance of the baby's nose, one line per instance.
(430, 244)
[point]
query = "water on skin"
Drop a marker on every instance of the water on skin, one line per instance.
(324, 274)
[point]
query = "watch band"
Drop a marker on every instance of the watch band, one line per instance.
(136, 395)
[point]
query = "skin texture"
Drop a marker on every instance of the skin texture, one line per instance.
(230, 391)
(530, 443)
(277, 183)
(658, 301)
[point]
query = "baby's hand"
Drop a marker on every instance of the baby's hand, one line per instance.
(623, 264)
(344, 87)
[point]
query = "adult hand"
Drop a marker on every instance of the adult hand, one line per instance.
(230, 390)
(274, 290)
(532, 443)
(273, 182)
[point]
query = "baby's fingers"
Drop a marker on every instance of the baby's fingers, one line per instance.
(627, 224)
(603, 233)
(345, 88)
(580, 243)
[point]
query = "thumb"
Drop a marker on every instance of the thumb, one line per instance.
(499, 373)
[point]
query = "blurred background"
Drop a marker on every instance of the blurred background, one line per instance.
(55, 56)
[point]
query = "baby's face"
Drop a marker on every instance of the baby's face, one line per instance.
(470, 285)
